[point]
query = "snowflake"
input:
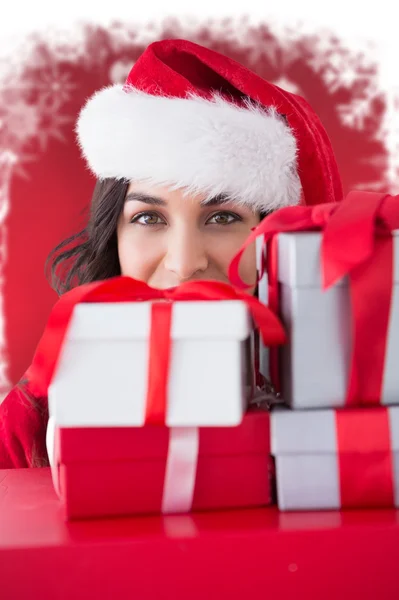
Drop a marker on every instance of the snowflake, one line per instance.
(354, 114)
(23, 122)
(7, 158)
(288, 85)
(19, 122)
(21, 159)
(7, 161)
(338, 79)
(258, 48)
(120, 70)
(339, 68)
(121, 37)
(54, 87)
(51, 124)
(13, 90)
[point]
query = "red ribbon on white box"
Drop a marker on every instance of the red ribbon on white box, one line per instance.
(127, 289)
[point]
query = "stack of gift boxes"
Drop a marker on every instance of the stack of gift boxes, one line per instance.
(149, 390)
(148, 394)
(336, 440)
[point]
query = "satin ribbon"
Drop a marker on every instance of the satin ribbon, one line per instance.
(127, 289)
(181, 470)
(357, 242)
(180, 473)
(365, 463)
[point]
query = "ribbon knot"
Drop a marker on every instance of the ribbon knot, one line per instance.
(352, 232)
(321, 214)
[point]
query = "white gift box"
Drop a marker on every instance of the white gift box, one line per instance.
(315, 362)
(102, 374)
(305, 446)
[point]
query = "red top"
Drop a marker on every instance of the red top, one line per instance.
(23, 424)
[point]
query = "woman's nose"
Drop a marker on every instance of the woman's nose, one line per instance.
(186, 254)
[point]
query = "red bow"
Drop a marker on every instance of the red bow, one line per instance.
(357, 242)
(126, 289)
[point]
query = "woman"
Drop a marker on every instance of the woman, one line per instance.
(189, 155)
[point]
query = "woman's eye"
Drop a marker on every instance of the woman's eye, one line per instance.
(147, 218)
(223, 218)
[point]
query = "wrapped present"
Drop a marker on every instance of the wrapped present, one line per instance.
(342, 458)
(333, 277)
(119, 353)
(121, 362)
(106, 471)
(102, 374)
(315, 364)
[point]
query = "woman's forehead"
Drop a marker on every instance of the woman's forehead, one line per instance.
(164, 193)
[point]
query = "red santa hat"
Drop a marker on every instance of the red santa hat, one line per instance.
(191, 118)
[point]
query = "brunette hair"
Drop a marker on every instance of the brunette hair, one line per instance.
(91, 254)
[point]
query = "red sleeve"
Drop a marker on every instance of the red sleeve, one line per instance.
(23, 424)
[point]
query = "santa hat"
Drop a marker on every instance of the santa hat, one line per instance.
(191, 118)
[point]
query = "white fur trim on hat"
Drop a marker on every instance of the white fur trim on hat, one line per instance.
(205, 146)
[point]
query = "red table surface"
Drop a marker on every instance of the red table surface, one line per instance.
(251, 554)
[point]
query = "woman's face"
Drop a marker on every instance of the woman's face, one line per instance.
(165, 239)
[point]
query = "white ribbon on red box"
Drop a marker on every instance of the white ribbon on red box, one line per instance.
(181, 466)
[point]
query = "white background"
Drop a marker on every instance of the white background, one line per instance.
(355, 21)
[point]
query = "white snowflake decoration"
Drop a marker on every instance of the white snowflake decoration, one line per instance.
(20, 122)
(353, 115)
(55, 87)
(288, 85)
(119, 71)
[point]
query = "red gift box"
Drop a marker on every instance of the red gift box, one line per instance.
(123, 471)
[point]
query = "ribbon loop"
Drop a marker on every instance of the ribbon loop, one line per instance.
(349, 234)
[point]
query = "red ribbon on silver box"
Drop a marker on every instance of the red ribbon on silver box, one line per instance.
(357, 242)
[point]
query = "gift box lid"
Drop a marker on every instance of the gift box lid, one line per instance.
(132, 320)
(151, 442)
(299, 259)
(315, 431)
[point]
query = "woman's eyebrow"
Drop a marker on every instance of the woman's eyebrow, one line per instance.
(155, 200)
(216, 200)
(141, 197)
